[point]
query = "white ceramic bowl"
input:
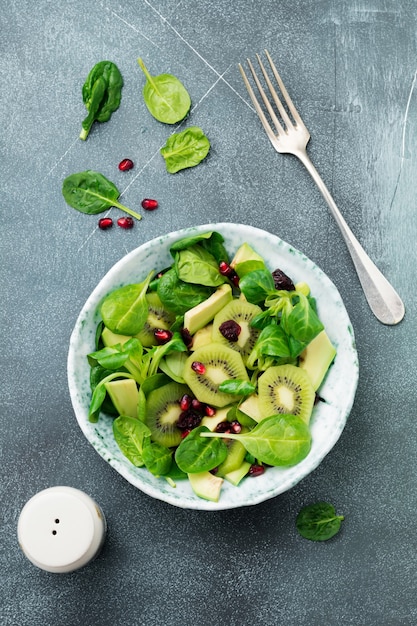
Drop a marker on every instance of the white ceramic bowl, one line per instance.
(329, 417)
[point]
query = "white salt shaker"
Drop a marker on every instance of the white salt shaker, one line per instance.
(61, 529)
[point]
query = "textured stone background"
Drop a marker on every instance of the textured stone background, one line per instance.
(351, 69)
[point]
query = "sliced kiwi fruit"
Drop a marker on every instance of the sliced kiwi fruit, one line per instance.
(162, 413)
(286, 389)
(209, 366)
(158, 317)
(242, 313)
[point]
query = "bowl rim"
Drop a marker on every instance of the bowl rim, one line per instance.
(122, 465)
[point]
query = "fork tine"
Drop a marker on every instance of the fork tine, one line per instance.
(284, 92)
(257, 106)
(267, 103)
(274, 94)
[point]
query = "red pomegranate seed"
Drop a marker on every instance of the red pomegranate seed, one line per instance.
(185, 433)
(149, 204)
(125, 165)
(209, 411)
(162, 336)
(196, 404)
(186, 337)
(223, 427)
(225, 269)
(125, 222)
(256, 470)
(105, 223)
(185, 402)
(236, 427)
(198, 367)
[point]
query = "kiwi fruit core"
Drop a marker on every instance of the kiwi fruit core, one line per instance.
(286, 389)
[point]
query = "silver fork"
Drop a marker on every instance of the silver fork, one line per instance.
(292, 137)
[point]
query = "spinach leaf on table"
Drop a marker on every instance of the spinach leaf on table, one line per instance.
(278, 440)
(318, 522)
(185, 149)
(102, 93)
(90, 192)
(165, 96)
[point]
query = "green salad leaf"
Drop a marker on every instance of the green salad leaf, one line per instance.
(185, 149)
(125, 310)
(318, 522)
(102, 93)
(195, 454)
(165, 96)
(90, 192)
(278, 440)
(196, 265)
(130, 434)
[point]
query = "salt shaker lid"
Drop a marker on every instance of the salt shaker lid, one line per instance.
(61, 529)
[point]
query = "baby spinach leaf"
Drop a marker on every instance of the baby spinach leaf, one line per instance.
(185, 149)
(125, 310)
(278, 440)
(272, 341)
(165, 96)
(256, 285)
(179, 296)
(318, 522)
(237, 387)
(197, 265)
(302, 322)
(187, 242)
(90, 192)
(102, 93)
(130, 434)
(157, 457)
(195, 454)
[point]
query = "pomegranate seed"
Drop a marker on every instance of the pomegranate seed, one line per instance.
(225, 269)
(223, 427)
(162, 336)
(185, 433)
(149, 204)
(236, 427)
(256, 470)
(125, 165)
(196, 404)
(105, 223)
(185, 402)
(209, 411)
(230, 330)
(199, 368)
(125, 222)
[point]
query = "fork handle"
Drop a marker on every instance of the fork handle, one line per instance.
(384, 301)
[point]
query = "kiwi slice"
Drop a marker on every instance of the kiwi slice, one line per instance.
(158, 317)
(286, 389)
(209, 366)
(162, 413)
(242, 313)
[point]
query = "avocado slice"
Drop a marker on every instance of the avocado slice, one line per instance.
(235, 456)
(202, 337)
(236, 476)
(205, 485)
(200, 315)
(250, 406)
(124, 395)
(246, 260)
(317, 357)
